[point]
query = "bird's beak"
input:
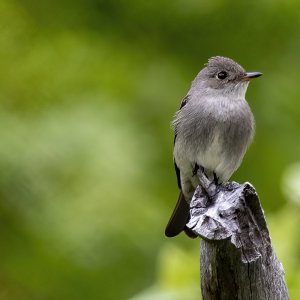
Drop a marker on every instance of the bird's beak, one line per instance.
(250, 75)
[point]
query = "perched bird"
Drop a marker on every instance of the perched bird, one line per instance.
(213, 129)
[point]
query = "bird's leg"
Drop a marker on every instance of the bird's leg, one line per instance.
(208, 186)
(216, 179)
(195, 169)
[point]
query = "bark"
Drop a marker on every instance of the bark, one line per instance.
(237, 260)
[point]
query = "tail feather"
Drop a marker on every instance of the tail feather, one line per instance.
(179, 218)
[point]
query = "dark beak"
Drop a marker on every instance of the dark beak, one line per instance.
(251, 75)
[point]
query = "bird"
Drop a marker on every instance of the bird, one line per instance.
(213, 128)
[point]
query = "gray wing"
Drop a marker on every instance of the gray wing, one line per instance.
(177, 170)
(181, 212)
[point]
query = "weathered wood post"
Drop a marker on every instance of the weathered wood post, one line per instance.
(237, 260)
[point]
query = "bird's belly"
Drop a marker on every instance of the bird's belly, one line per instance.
(214, 139)
(213, 157)
(190, 152)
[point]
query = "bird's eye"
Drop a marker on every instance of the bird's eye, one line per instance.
(222, 75)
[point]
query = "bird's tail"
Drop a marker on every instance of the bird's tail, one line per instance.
(179, 219)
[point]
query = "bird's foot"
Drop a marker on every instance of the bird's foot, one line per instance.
(216, 179)
(209, 186)
(195, 169)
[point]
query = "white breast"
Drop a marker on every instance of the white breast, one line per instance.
(212, 157)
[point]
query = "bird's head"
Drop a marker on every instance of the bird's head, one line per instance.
(223, 76)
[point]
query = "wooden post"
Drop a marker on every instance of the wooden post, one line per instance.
(237, 260)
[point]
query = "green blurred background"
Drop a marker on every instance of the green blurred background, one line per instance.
(88, 89)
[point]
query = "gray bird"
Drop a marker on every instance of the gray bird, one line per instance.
(213, 129)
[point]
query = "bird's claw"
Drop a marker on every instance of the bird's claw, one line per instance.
(208, 186)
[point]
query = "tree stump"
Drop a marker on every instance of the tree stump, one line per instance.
(237, 260)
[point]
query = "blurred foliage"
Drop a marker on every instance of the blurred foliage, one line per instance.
(87, 93)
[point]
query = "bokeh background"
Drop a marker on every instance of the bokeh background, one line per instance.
(87, 92)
